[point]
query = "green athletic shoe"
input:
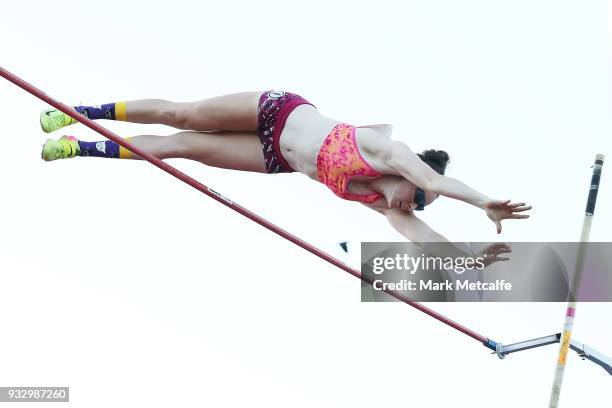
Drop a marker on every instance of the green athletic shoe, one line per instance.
(64, 148)
(53, 119)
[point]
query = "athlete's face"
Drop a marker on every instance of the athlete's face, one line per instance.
(405, 196)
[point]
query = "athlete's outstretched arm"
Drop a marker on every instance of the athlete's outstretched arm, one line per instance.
(409, 165)
(397, 158)
(421, 234)
(410, 226)
(433, 243)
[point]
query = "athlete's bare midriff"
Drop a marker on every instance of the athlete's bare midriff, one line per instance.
(302, 137)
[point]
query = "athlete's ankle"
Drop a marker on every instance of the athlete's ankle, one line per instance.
(111, 111)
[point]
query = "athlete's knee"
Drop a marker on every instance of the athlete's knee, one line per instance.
(183, 145)
(189, 115)
(204, 116)
(172, 114)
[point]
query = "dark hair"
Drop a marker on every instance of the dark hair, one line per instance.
(437, 159)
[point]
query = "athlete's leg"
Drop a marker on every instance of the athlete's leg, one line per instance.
(229, 150)
(233, 112)
(224, 149)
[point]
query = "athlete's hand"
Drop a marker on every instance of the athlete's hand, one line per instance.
(498, 210)
(491, 253)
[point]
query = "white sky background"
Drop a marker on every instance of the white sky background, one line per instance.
(135, 290)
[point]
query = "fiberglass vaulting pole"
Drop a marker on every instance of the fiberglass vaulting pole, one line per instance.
(575, 288)
(234, 206)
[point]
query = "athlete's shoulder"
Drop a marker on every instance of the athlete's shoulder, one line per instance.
(384, 129)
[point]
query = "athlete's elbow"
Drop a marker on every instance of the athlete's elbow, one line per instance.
(419, 236)
(433, 182)
(428, 242)
(427, 238)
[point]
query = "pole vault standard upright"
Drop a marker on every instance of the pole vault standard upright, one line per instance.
(575, 288)
(229, 203)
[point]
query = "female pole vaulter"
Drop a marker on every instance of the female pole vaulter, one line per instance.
(281, 132)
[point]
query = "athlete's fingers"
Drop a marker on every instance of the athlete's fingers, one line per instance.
(500, 246)
(497, 247)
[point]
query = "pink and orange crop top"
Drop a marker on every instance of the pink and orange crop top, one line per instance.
(340, 160)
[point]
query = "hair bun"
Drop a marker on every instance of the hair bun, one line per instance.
(438, 156)
(437, 159)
